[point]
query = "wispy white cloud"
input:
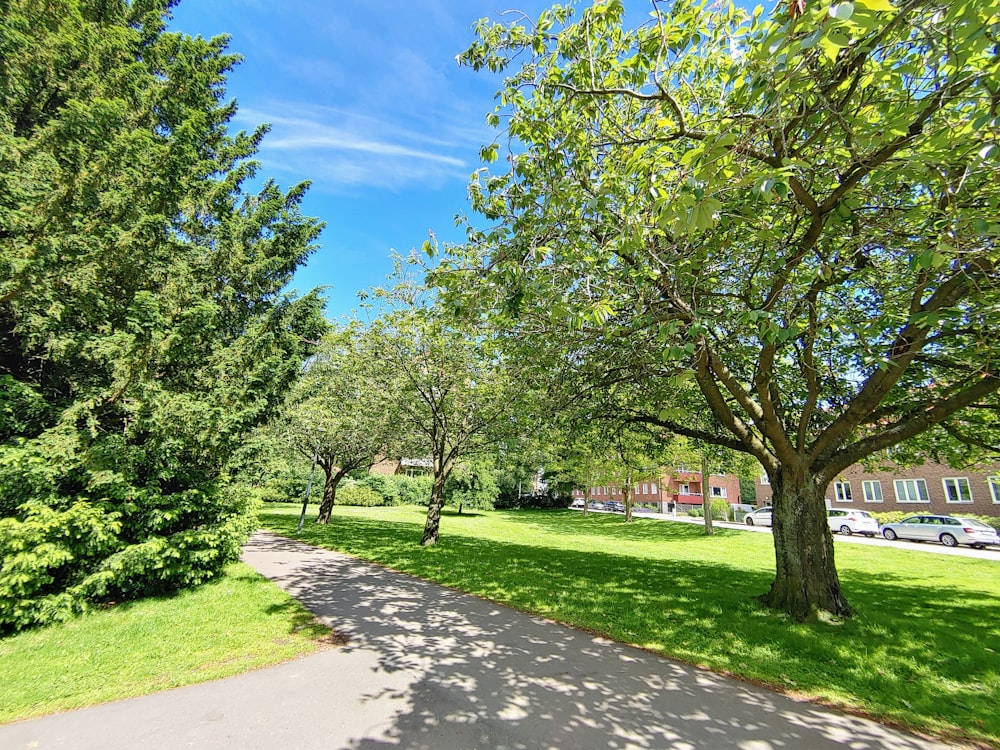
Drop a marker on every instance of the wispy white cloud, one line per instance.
(339, 149)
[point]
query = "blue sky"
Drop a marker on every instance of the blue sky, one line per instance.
(367, 101)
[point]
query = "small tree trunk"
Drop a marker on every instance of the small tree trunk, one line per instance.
(586, 500)
(706, 497)
(432, 526)
(329, 492)
(627, 497)
(806, 581)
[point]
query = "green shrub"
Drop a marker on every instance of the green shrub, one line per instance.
(696, 511)
(381, 485)
(359, 494)
(55, 563)
(411, 490)
(720, 509)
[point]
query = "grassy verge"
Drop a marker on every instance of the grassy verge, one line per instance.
(238, 623)
(922, 651)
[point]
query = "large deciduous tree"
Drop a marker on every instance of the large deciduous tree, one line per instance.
(801, 213)
(143, 329)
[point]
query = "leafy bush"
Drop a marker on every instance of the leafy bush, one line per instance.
(410, 490)
(540, 501)
(720, 509)
(55, 563)
(696, 512)
(358, 494)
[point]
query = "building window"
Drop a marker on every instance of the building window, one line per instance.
(718, 491)
(872, 491)
(994, 484)
(911, 491)
(764, 479)
(684, 488)
(842, 491)
(645, 489)
(652, 488)
(957, 490)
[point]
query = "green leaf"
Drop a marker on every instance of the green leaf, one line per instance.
(842, 11)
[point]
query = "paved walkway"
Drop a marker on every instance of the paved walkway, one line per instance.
(429, 668)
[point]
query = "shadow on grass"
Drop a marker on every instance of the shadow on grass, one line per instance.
(917, 655)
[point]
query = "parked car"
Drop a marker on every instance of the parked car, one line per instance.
(759, 517)
(597, 505)
(849, 522)
(949, 530)
(614, 506)
(578, 503)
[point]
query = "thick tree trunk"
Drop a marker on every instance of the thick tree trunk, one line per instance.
(806, 581)
(432, 526)
(329, 493)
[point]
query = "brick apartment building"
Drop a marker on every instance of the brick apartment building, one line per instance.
(676, 487)
(411, 467)
(928, 488)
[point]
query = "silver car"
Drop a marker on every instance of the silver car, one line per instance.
(849, 522)
(949, 530)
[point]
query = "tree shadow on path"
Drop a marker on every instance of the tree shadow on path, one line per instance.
(479, 675)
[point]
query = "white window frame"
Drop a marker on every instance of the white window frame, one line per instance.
(718, 491)
(684, 488)
(645, 489)
(916, 484)
(958, 487)
(764, 479)
(869, 484)
(652, 489)
(840, 495)
(994, 484)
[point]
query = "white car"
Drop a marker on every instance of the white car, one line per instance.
(578, 503)
(759, 517)
(849, 522)
(949, 530)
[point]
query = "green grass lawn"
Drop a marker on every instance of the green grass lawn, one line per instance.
(922, 651)
(237, 623)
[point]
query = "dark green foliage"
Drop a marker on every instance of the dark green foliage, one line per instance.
(540, 501)
(143, 331)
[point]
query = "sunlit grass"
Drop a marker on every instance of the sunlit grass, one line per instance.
(921, 651)
(226, 627)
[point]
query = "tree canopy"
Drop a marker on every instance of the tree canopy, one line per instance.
(143, 327)
(793, 218)
(342, 411)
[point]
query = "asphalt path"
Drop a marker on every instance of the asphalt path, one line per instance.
(429, 668)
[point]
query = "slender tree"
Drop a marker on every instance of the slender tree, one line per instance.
(455, 395)
(341, 411)
(797, 214)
